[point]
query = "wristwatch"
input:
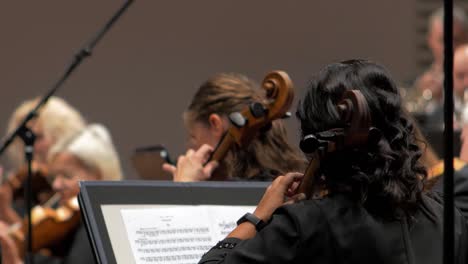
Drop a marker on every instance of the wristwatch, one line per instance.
(257, 222)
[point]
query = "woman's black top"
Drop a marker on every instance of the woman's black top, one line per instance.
(460, 181)
(336, 229)
(77, 247)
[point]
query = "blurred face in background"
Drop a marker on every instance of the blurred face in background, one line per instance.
(460, 70)
(436, 39)
(66, 171)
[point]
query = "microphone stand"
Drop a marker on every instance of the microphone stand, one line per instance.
(449, 228)
(28, 136)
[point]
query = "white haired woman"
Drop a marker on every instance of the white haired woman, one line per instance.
(89, 155)
(56, 120)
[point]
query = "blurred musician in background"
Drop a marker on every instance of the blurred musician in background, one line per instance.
(460, 81)
(427, 94)
(460, 87)
(89, 155)
(435, 165)
(56, 120)
(206, 119)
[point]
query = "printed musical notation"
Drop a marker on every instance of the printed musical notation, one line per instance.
(180, 234)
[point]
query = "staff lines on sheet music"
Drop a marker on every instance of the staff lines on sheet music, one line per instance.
(152, 232)
(203, 248)
(179, 240)
(172, 258)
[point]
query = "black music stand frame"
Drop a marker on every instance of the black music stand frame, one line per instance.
(93, 195)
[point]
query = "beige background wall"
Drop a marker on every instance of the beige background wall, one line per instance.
(144, 72)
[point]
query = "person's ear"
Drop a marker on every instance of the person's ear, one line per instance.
(216, 124)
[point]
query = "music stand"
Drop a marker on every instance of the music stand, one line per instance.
(99, 200)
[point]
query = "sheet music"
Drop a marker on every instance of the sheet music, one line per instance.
(179, 234)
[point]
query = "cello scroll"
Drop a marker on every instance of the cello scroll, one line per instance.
(356, 117)
(245, 125)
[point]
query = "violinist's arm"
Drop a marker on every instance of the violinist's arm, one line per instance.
(10, 253)
(7, 213)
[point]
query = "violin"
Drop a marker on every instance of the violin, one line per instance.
(50, 226)
(357, 131)
(41, 189)
(247, 124)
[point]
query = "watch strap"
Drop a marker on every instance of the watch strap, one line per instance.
(249, 217)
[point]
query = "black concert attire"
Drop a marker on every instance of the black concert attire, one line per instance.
(337, 229)
(77, 250)
(460, 182)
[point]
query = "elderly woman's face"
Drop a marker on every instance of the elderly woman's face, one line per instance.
(65, 172)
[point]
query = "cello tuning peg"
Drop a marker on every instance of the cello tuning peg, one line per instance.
(237, 119)
(257, 110)
(309, 144)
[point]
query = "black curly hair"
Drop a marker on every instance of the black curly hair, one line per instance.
(386, 176)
